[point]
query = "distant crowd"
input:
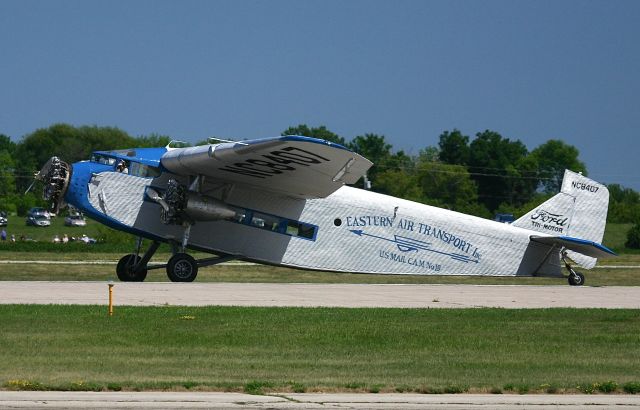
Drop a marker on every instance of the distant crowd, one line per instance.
(56, 238)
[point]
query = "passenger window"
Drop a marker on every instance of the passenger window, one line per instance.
(295, 228)
(264, 221)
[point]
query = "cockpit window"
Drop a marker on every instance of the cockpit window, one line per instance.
(142, 170)
(103, 159)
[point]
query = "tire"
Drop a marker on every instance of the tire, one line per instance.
(577, 279)
(125, 272)
(182, 268)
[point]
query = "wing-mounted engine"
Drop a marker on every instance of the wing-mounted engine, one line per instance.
(181, 205)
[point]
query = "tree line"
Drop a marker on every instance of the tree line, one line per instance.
(482, 176)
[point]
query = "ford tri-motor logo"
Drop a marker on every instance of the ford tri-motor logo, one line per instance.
(544, 219)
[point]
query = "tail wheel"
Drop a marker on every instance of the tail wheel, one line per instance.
(182, 268)
(576, 279)
(125, 271)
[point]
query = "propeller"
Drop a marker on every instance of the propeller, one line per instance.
(55, 175)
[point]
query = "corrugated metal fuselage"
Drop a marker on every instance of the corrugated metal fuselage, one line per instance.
(354, 230)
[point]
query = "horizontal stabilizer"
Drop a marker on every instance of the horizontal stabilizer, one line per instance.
(585, 247)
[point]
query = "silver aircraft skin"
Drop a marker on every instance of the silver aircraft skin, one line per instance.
(285, 201)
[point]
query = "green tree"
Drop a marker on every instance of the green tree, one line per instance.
(447, 186)
(502, 170)
(7, 182)
(553, 157)
(400, 184)
(70, 143)
(633, 237)
(624, 204)
(454, 148)
(320, 132)
(152, 141)
(375, 149)
(7, 145)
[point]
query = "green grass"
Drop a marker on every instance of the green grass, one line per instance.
(284, 349)
(277, 274)
(614, 237)
(274, 274)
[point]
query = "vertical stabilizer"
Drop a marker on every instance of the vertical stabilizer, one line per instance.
(579, 211)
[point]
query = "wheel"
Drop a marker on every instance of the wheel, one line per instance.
(576, 279)
(182, 268)
(125, 272)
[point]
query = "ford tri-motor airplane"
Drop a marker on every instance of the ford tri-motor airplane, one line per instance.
(285, 201)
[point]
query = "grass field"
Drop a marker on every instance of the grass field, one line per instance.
(275, 274)
(267, 350)
(283, 349)
(614, 236)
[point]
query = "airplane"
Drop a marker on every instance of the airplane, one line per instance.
(287, 201)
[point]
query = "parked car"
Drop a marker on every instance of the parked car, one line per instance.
(75, 220)
(504, 218)
(38, 220)
(38, 211)
(3, 219)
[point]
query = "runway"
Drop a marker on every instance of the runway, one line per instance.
(319, 295)
(173, 400)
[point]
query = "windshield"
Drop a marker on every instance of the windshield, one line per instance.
(103, 159)
(142, 170)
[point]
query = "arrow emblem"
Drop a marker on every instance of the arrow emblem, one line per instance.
(406, 244)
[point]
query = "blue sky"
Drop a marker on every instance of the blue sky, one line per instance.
(408, 70)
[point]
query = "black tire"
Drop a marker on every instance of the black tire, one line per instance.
(182, 268)
(576, 279)
(125, 272)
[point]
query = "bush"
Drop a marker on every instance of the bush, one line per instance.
(608, 386)
(631, 387)
(455, 389)
(548, 388)
(633, 237)
(256, 387)
(588, 388)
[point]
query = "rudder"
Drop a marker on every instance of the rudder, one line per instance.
(579, 211)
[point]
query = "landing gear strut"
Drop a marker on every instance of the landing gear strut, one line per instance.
(575, 278)
(181, 267)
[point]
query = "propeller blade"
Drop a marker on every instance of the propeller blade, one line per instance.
(32, 184)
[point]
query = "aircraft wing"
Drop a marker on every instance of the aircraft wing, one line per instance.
(582, 246)
(295, 166)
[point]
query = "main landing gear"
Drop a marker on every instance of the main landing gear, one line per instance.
(575, 278)
(181, 267)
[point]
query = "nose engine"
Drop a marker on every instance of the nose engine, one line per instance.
(55, 176)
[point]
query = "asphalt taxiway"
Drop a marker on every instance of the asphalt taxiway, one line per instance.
(319, 295)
